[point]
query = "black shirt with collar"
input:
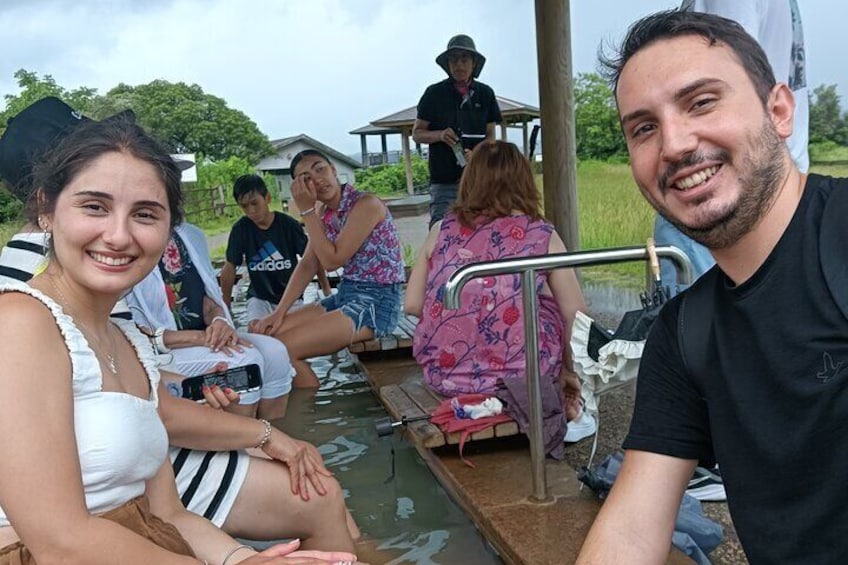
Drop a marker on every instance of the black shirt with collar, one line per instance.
(441, 106)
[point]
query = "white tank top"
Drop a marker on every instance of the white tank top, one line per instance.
(121, 439)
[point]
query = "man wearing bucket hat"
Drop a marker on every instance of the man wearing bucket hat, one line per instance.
(454, 115)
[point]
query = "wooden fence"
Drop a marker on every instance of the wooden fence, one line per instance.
(206, 202)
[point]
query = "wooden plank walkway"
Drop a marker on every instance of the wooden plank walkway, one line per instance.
(401, 338)
(413, 398)
(495, 494)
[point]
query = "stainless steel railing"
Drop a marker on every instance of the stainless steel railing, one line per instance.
(528, 266)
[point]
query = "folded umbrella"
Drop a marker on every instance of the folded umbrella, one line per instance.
(604, 359)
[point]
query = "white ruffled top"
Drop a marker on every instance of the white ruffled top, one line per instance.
(120, 437)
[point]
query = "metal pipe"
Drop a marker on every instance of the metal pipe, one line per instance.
(588, 258)
(531, 343)
(528, 266)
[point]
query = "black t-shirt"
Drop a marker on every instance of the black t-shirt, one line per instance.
(442, 106)
(271, 254)
(775, 404)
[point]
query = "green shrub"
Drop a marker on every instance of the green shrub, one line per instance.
(210, 175)
(385, 180)
(11, 209)
(825, 151)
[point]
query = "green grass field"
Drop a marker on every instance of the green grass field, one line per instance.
(612, 214)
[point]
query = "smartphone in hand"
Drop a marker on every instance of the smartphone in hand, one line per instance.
(242, 379)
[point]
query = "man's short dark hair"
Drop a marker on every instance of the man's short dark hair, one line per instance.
(246, 184)
(306, 153)
(676, 23)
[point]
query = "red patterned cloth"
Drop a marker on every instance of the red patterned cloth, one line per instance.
(445, 417)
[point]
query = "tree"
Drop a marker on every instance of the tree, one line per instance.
(597, 130)
(827, 123)
(183, 117)
(34, 88)
(190, 121)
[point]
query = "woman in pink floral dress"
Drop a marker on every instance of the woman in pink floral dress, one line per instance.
(480, 346)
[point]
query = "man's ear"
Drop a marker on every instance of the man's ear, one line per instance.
(268, 197)
(781, 109)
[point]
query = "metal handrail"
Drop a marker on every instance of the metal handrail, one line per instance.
(528, 266)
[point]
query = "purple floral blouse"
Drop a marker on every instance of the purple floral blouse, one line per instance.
(379, 259)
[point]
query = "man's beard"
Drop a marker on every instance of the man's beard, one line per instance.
(759, 187)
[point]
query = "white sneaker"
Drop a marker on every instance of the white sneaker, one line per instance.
(581, 427)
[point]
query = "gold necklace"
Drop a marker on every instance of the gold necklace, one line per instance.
(111, 360)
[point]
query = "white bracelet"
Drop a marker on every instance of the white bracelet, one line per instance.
(159, 341)
(233, 552)
(223, 319)
(266, 434)
(307, 212)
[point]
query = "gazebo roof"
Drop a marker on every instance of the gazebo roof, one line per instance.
(373, 130)
(511, 110)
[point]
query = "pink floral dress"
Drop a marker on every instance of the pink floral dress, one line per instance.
(471, 349)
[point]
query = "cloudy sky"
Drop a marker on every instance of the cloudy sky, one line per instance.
(325, 67)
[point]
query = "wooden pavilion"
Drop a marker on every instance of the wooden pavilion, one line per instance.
(515, 115)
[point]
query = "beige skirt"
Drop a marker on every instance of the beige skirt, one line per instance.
(134, 515)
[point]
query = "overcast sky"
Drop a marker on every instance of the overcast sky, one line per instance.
(325, 67)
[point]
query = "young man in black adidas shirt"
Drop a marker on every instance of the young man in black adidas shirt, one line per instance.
(269, 241)
(765, 388)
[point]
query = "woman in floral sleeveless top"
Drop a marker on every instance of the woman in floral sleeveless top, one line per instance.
(348, 229)
(479, 346)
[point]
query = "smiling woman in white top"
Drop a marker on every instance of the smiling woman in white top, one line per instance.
(83, 469)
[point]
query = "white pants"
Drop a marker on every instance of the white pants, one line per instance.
(258, 308)
(267, 352)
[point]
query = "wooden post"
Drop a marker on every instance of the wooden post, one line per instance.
(222, 204)
(364, 145)
(525, 139)
(384, 148)
(407, 159)
(556, 101)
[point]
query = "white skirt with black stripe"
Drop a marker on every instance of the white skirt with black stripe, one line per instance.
(208, 482)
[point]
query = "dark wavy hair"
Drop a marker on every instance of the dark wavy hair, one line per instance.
(87, 142)
(246, 184)
(496, 181)
(676, 23)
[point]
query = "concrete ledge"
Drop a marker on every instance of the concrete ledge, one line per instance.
(408, 206)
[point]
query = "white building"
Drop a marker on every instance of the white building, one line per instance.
(279, 164)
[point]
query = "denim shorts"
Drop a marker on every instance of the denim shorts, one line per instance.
(369, 305)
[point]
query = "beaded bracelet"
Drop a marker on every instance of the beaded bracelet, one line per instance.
(266, 435)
